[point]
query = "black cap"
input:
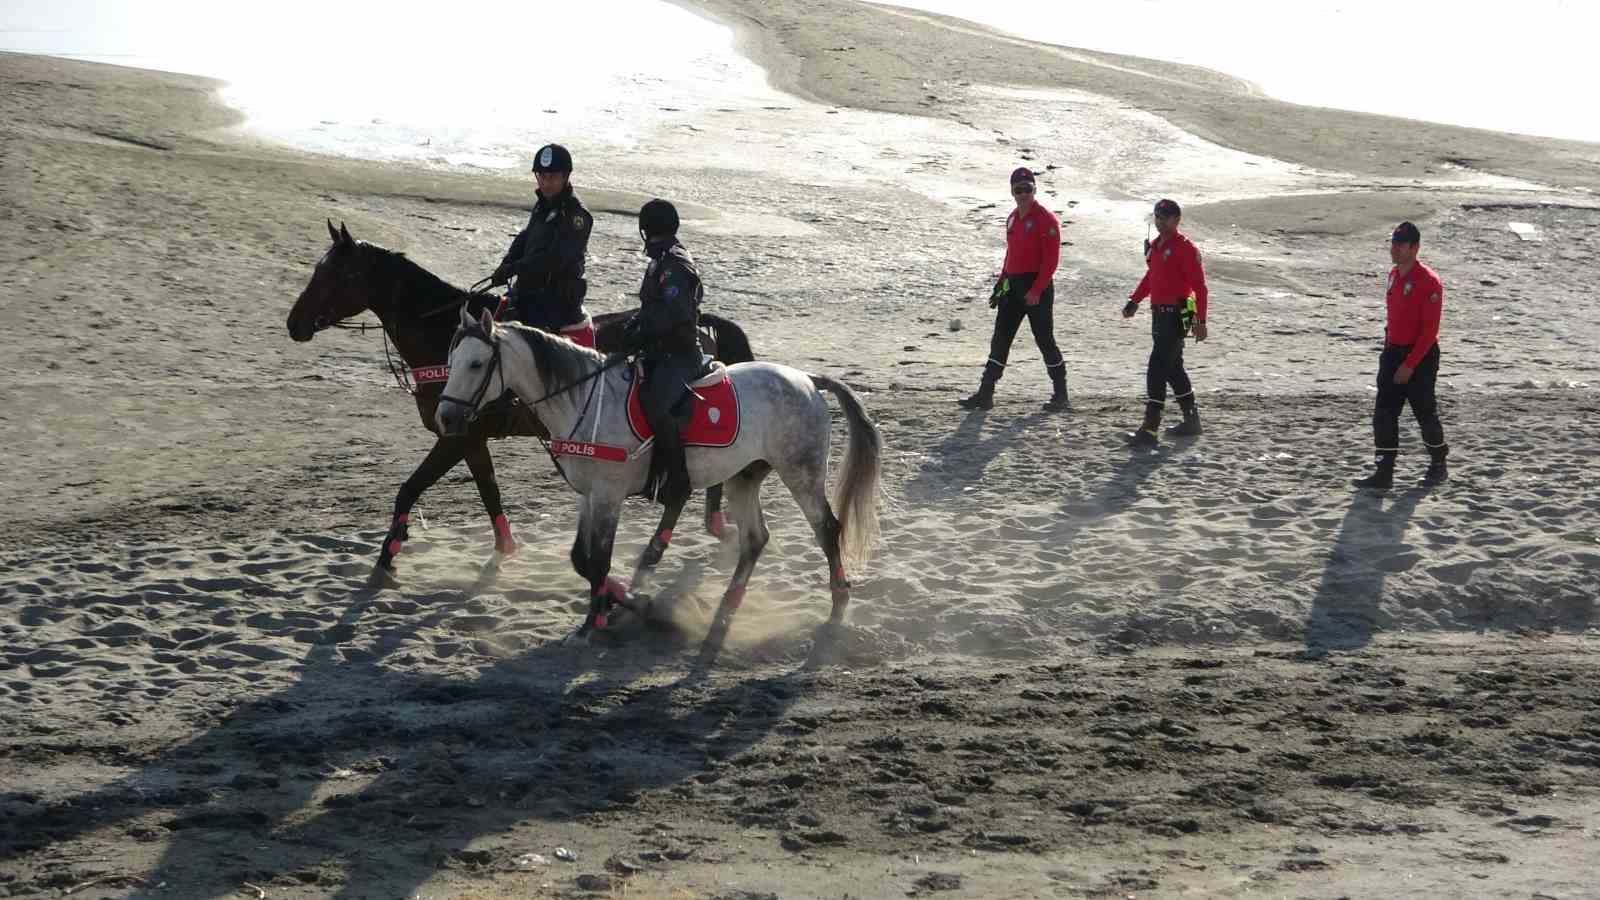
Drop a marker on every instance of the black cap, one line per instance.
(1023, 175)
(658, 218)
(1165, 207)
(552, 158)
(1406, 233)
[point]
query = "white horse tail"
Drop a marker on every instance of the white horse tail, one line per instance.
(856, 503)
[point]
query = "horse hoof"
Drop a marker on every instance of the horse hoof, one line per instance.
(382, 576)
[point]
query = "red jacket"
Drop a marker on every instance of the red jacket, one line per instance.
(1172, 273)
(1033, 244)
(1415, 302)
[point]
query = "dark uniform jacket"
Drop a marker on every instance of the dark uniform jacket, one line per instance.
(666, 326)
(548, 259)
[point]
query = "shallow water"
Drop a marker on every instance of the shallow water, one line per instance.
(484, 85)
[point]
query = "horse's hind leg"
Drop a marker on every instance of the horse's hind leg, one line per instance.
(482, 466)
(744, 500)
(809, 487)
(442, 458)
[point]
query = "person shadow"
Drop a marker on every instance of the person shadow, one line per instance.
(557, 733)
(960, 459)
(1368, 548)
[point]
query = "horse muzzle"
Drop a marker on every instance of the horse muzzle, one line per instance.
(453, 418)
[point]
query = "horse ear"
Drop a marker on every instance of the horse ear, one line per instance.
(487, 321)
(332, 232)
(344, 234)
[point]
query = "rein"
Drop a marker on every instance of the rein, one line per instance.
(397, 368)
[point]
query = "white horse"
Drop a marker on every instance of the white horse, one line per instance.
(784, 427)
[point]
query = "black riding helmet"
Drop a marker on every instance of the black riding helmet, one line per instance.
(553, 158)
(658, 218)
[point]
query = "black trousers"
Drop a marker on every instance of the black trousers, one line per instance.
(1008, 319)
(665, 398)
(1166, 357)
(1419, 392)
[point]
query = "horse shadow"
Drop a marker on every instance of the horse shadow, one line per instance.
(1344, 612)
(961, 458)
(556, 734)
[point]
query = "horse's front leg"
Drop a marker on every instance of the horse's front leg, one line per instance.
(446, 452)
(715, 520)
(599, 536)
(482, 466)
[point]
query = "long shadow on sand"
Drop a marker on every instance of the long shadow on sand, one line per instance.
(432, 763)
(962, 457)
(1344, 613)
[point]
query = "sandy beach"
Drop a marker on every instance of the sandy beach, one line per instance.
(1070, 670)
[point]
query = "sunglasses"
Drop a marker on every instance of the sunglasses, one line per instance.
(1022, 189)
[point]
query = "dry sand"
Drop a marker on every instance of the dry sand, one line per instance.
(1071, 671)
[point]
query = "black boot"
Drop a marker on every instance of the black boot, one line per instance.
(1382, 477)
(983, 399)
(1148, 429)
(1438, 470)
(1190, 426)
(1058, 401)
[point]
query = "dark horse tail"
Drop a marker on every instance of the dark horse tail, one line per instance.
(733, 346)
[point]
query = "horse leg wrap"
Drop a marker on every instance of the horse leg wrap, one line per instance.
(398, 534)
(597, 612)
(504, 543)
(735, 597)
(715, 523)
(657, 547)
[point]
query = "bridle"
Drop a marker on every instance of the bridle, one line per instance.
(496, 360)
(397, 369)
(496, 367)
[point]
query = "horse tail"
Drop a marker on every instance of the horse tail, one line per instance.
(733, 346)
(856, 502)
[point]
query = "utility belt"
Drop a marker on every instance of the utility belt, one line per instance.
(1185, 308)
(1012, 284)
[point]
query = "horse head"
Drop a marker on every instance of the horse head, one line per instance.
(476, 375)
(341, 286)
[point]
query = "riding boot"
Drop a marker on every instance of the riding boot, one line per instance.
(1146, 436)
(673, 468)
(1438, 472)
(1058, 401)
(1190, 426)
(983, 399)
(1382, 477)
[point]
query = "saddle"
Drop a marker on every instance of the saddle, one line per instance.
(714, 409)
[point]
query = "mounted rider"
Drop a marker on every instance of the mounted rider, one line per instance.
(547, 257)
(665, 330)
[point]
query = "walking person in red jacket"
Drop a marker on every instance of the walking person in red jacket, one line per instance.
(1409, 365)
(1173, 274)
(1025, 291)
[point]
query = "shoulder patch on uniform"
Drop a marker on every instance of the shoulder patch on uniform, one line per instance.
(579, 222)
(552, 216)
(1434, 297)
(1052, 232)
(671, 291)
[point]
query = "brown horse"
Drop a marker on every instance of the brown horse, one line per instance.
(419, 313)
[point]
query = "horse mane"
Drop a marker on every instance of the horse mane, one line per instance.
(428, 291)
(560, 362)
